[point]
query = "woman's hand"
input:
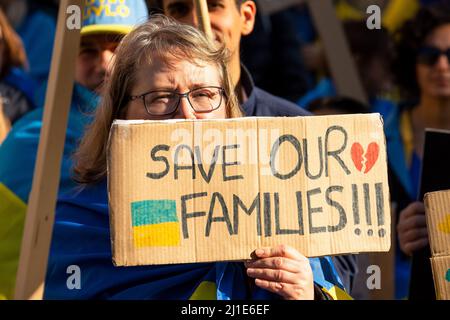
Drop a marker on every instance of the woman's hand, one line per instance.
(412, 228)
(282, 270)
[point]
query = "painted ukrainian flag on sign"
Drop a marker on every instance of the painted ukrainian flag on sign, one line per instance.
(155, 223)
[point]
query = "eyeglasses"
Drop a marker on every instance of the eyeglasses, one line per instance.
(430, 55)
(164, 102)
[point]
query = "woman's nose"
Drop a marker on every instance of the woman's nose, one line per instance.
(443, 63)
(185, 110)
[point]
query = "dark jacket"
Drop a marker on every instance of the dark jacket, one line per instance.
(272, 55)
(263, 104)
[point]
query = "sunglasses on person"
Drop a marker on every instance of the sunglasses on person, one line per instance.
(428, 55)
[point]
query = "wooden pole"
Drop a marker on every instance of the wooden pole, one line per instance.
(342, 66)
(42, 201)
(5, 124)
(201, 9)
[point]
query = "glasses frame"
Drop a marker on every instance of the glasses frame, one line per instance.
(180, 96)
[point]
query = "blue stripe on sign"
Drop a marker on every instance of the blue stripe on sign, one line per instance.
(153, 212)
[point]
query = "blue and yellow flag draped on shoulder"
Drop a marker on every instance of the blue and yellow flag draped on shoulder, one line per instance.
(81, 237)
(17, 159)
(18, 152)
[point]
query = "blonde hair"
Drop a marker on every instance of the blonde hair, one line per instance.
(159, 37)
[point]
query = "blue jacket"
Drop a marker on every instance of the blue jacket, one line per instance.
(37, 32)
(17, 160)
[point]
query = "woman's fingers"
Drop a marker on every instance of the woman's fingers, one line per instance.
(279, 251)
(287, 291)
(277, 275)
(413, 222)
(412, 228)
(413, 209)
(410, 247)
(415, 234)
(282, 270)
(275, 263)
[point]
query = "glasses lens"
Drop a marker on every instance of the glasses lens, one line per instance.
(428, 55)
(160, 103)
(206, 99)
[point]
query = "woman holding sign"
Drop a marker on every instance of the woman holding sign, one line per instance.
(164, 70)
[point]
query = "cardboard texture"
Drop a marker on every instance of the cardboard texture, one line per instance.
(437, 206)
(5, 125)
(215, 190)
(441, 275)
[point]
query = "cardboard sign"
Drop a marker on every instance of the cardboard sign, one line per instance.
(441, 275)
(437, 206)
(5, 125)
(434, 176)
(213, 190)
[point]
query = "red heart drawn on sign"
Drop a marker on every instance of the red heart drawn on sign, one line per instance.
(370, 157)
(357, 152)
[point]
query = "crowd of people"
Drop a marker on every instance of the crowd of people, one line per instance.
(148, 65)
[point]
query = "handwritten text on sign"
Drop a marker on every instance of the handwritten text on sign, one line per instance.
(216, 190)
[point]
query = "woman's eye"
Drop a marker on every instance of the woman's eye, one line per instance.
(88, 51)
(161, 98)
(203, 94)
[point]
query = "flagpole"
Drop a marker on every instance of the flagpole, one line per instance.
(201, 10)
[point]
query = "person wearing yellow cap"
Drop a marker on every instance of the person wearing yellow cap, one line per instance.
(105, 22)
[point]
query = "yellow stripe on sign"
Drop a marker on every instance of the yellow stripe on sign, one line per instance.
(444, 225)
(12, 221)
(157, 235)
(207, 290)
